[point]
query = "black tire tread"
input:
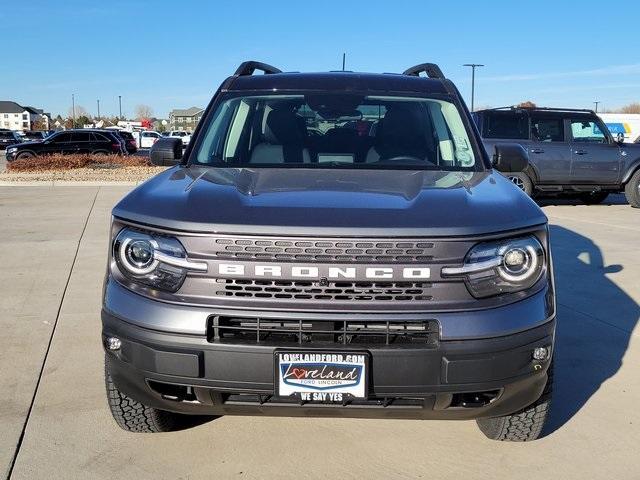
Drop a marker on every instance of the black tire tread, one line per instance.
(523, 426)
(132, 415)
(631, 191)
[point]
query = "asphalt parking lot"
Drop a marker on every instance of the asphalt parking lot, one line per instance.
(56, 423)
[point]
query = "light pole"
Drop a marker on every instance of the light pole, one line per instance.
(120, 105)
(344, 58)
(596, 104)
(73, 109)
(473, 79)
(98, 108)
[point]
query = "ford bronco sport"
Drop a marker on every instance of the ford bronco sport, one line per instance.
(571, 152)
(331, 244)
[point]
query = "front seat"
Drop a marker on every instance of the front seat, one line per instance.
(402, 132)
(283, 140)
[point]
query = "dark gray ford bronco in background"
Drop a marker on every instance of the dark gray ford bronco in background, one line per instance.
(331, 244)
(571, 152)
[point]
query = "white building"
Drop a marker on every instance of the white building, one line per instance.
(185, 119)
(16, 117)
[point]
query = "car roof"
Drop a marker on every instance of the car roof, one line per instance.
(339, 81)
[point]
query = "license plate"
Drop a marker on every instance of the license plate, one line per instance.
(322, 376)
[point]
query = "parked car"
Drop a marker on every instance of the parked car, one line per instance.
(184, 136)
(129, 141)
(34, 135)
(394, 274)
(570, 152)
(148, 138)
(7, 138)
(97, 142)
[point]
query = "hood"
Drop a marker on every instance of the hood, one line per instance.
(307, 201)
(27, 143)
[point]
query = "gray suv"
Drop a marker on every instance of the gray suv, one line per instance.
(331, 244)
(570, 152)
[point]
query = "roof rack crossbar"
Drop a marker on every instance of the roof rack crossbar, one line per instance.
(247, 68)
(431, 69)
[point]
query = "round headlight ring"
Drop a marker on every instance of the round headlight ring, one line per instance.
(529, 266)
(137, 255)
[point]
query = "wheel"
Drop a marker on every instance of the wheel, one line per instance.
(632, 190)
(24, 155)
(132, 415)
(525, 425)
(522, 181)
(593, 198)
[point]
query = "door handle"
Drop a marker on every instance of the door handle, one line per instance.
(580, 152)
(537, 150)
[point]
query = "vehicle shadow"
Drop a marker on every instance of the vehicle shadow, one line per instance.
(612, 199)
(595, 321)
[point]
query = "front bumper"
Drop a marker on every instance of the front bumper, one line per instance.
(187, 373)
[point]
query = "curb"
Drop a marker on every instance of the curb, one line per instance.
(68, 183)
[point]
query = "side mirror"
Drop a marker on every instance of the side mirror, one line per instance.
(620, 138)
(166, 152)
(510, 157)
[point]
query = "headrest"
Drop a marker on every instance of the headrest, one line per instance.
(283, 128)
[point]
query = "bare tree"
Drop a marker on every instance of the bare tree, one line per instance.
(631, 108)
(80, 111)
(143, 112)
(527, 104)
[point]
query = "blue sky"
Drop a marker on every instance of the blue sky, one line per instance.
(174, 54)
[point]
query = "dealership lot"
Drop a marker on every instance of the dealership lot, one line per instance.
(53, 249)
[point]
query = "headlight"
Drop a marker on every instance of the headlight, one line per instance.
(504, 266)
(12, 149)
(153, 260)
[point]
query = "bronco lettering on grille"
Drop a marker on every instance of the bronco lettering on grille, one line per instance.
(316, 272)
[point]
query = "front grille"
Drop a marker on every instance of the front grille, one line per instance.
(339, 291)
(328, 251)
(225, 329)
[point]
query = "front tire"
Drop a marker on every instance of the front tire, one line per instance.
(522, 181)
(632, 190)
(525, 425)
(134, 416)
(24, 155)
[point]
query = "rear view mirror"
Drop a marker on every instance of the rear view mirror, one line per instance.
(510, 157)
(167, 151)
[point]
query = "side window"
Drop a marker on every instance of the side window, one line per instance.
(81, 137)
(63, 137)
(507, 125)
(587, 131)
(96, 137)
(547, 129)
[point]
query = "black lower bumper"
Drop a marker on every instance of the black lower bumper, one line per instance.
(453, 380)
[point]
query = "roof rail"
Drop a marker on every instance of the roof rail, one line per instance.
(247, 68)
(544, 109)
(431, 69)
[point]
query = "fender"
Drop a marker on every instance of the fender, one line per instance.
(631, 169)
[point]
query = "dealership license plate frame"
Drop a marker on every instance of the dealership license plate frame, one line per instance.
(363, 383)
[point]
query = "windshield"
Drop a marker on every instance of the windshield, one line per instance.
(338, 130)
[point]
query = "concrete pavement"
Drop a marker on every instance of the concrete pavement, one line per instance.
(69, 433)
